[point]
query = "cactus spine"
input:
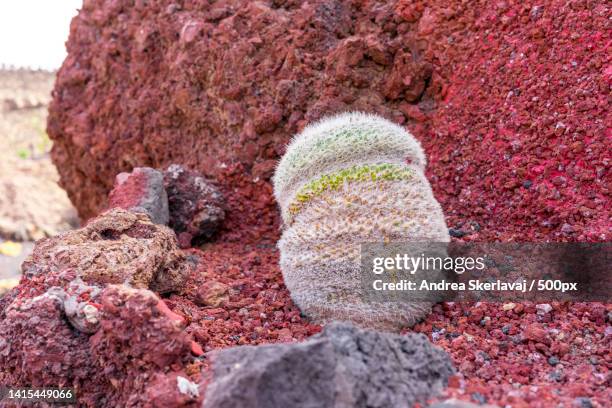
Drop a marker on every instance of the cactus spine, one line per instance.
(347, 180)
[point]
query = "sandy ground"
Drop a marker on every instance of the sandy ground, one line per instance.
(32, 205)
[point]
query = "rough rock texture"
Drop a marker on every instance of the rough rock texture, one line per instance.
(196, 205)
(509, 355)
(509, 100)
(137, 338)
(213, 293)
(340, 367)
(485, 340)
(70, 324)
(519, 140)
(119, 246)
(214, 85)
(183, 199)
(254, 306)
(142, 190)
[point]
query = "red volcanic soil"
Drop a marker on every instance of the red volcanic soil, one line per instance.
(521, 358)
(504, 355)
(256, 307)
(515, 123)
(520, 140)
(518, 149)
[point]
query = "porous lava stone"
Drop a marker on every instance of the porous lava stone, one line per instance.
(519, 140)
(196, 206)
(212, 85)
(502, 96)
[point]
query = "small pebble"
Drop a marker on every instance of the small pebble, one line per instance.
(517, 339)
(478, 397)
(553, 360)
(567, 229)
(508, 306)
(555, 376)
(543, 308)
(583, 402)
(457, 233)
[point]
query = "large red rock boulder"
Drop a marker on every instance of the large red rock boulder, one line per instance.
(220, 87)
(508, 100)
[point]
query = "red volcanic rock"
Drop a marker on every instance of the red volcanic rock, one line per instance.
(142, 190)
(509, 363)
(222, 86)
(185, 200)
(535, 332)
(119, 246)
(120, 346)
(213, 293)
(519, 140)
(138, 328)
(83, 316)
(258, 308)
(114, 366)
(508, 100)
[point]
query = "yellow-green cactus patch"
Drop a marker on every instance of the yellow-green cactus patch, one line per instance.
(358, 173)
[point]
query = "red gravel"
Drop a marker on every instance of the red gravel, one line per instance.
(258, 310)
(517, 149)
(520, 140)
(520, 358)
(503, 356)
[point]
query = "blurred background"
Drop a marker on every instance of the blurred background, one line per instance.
(32, 205)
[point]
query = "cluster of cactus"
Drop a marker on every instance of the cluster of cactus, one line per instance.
(351, 179)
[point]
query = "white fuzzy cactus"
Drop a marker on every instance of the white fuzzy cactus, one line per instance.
(346, 180)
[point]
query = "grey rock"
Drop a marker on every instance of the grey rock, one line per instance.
(142, 191)
(196, 205)
(479, 398)
(341, 367)
(556, 375)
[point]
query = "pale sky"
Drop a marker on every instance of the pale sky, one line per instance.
(33, 32)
